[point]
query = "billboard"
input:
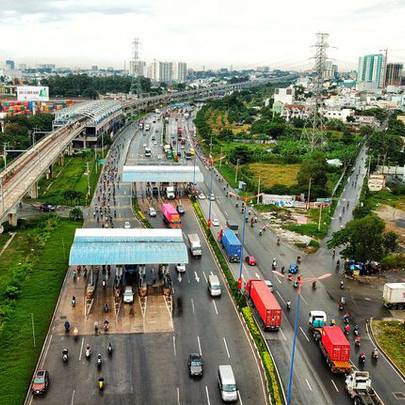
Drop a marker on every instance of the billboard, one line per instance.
(32, 93)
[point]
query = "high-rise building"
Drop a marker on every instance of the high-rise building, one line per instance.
(371, 72)
(22, 66)
(10, 64)
(394, 74)
(180, 72)
(165, 71)
(94, 68)
(136, 65)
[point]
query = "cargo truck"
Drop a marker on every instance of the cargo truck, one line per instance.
(265, 303)
(232, 245)
(195, 245)
(336, 349)
(358, 386)
(170, 193)
(232, 225)
(317, 320)
(394, 295)
(170, 216)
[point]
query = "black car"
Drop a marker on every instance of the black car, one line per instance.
(195, 364)
(180, 210)
(47, 208)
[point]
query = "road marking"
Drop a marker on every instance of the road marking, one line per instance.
(278, 279)
(226, 214)
(199, 345)
(215, 306)
(302, 297)
(188, 278)
(81, 349)
(240, 398)
(192, 305)
(73, 397)
(198, 278)
(282, 333)
(205, 277)
(336, 388)
(281, 298)
(46, 351)
(212, 273)
(226, 348)
(178, 395)
(310, 388)
(174, 345)
(306, 337)
(257, 276)
(208, 396)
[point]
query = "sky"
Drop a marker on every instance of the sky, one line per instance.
(210, 33)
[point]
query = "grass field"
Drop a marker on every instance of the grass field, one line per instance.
(40, 293)
(391, 336)
(71, 176)
(271, 174)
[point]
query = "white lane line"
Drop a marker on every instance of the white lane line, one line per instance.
(81, 349)
(306, 337)
(73, 397)
(226, 348)
(174, 345)
(215, 306)
(240, 398)
(192, 305)
(46, 351)
(208, 396)
(282, 333)
(257, 276)
(211, 273)
(281, 298)
(278, 279)
(310, 388)
(188, 278)
(178, 395)
(302, 297)
(205, 277)
(199, 345)
(226, 214)
(336, 388)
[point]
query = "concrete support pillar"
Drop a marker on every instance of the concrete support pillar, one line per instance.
(33, 193)
(49, 173)
(12, 218)
(70, 149)
(61, 159)
(84, 143)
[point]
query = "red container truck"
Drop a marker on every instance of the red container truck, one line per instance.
(170, 216)
(266, 304)
(336, 349)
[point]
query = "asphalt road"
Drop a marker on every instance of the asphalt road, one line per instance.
(152, 368)
(319, 385)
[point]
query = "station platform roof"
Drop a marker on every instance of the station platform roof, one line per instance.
(98, 246)
(162, 173)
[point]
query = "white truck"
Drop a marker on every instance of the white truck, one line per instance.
(358, 386)
(170, 193)
(394, 295)
(195, 244)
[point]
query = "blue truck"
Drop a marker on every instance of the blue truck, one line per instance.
(232, 245)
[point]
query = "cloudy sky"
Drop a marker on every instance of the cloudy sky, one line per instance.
(213, 33)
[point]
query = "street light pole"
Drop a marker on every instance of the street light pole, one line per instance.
(209, 197)
(241, 249)
(300, 282)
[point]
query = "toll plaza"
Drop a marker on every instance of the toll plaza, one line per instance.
(108, 265)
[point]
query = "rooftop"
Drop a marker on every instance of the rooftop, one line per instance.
(163, 173)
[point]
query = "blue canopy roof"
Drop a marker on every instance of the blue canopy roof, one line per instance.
(98, 246)
(163, 173)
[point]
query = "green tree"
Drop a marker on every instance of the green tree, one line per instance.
(314, 168)
(76, 214)
(241, 153)
(363, 239)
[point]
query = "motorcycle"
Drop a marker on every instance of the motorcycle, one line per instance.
(356, 331)
(106, 325)
(67, 326)
(375, 354)
(362, 358)
(106, 308)
(288, 305)
(278, 242)
(76, 333)
(73, 301)
(101, 384)
(99, 360)
(65, 355)
(260, 232)
(347, 329)
(314, 285)
(342, 286)
(357, 341)
(88, 352)
(296, 284)
(104, 283)
(109, 348)
(298, 259)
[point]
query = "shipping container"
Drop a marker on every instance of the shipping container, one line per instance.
(336, 349)
(394, 295)
(232, 245)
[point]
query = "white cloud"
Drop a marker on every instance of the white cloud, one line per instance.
(210, 32)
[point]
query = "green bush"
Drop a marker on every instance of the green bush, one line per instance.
(12, 292)
(393, 262)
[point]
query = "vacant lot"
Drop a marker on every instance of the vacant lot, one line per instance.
(271, 174)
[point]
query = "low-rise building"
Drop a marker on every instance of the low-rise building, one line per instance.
(291, 111)
(376, 182)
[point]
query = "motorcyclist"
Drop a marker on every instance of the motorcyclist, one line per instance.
(356, 330)
(347, 329)
(109, 348)
(96, 326)
(106, 325)
(65, 354)
(278, 241)
(362, 358)
(282, 269)
(101, 383)
(288, 305)
(357, 341)
(342, 285)
(298, 259)
(260, 232)
(106, 307)
(73, 301)
(88, 351)
(333, 252)
(274, 264)
(332, 322)
(375, 353)
(314, 284)
(99, 360)
(67, 326)
(337, 263)
(346, 318)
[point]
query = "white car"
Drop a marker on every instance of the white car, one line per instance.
(212, 197)
(215, 222)
(144, 145)
(269, 284)
(128, 295)
(152, 212)
(155, 142)
(159, 157)
(127, 225)
(202, 196)
(180, 268)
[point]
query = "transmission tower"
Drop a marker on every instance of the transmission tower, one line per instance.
(136, 87)
(313, 127)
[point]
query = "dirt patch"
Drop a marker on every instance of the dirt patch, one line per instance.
(394, 219)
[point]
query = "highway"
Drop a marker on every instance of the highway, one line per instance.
(152, 367)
